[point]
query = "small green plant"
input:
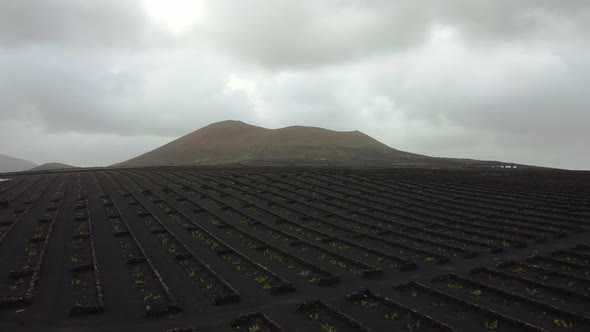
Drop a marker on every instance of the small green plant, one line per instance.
(261, 279)
(454, 285)
(476, 293)
(314, 316)
(368, 304)
(138, 273)
(266, 286)
(254, 328)
(414, 295)
(491, 325)
(532, 291)
(328, 327)
(413, 326)
(438, 304)
(392, 316)
(150, 297)
(563, 324)
(428, 259)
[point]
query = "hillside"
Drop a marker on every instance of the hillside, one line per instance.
(51, 166)
(235, 142)
(11, 164)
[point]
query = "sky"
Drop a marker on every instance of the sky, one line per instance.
(92, 83)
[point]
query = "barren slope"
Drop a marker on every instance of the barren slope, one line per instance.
(231, 142)
(10, 164)
(51, 166)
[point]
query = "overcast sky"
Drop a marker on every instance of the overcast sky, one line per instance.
(98, 82)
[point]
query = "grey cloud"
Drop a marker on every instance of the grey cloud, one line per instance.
(90, 24)
(81, 78)
(307, 34)
(80, 149)
(61, 91)
(463, 103)
(493, 21)
(288, 34)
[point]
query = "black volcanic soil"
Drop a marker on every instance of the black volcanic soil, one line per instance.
(171, 242)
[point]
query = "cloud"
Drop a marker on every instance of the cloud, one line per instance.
(311, 33)
(445, 99)
(79, 149)
(517, 21)
(124, 95)
(294, 34)
(504, 80)
(80, 23)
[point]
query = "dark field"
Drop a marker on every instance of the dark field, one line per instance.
(272, 249)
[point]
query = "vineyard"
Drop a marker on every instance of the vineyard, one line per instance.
(288, 249)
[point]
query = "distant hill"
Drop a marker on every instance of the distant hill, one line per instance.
(51, 166)
(235, 142)
(11, 164)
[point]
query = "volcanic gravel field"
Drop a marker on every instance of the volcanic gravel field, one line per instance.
(295, 249)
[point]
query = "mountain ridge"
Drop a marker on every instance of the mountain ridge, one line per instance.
(12, 164)
(51, 166)
(235, 142)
